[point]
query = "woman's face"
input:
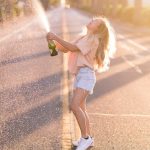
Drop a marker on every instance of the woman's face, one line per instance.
(93, 25)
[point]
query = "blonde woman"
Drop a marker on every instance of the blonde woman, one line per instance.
(88, 54)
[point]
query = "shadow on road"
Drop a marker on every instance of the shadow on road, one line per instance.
(23, 58)
(118, 80)
(134, 36)
(119, 60)
(24, 124)
(33, 90)
(21, 125)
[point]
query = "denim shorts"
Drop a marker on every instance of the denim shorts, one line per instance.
(85, 79)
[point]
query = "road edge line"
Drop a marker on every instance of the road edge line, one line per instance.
(68, 132)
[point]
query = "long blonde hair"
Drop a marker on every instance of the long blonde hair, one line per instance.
(107, 45)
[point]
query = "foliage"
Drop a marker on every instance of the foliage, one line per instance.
(17, 11)
(127, 14)
(124, 13)
(145, 16)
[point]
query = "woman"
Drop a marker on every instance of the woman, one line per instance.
(88, 54)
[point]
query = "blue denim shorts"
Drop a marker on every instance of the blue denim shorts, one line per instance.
(85, 79)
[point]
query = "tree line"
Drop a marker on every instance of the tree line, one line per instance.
(119, 9)
(10, 9)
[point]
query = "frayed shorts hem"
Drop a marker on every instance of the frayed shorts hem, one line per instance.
(90, 92)
(85, 79)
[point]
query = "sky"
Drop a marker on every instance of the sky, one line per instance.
(145, 2)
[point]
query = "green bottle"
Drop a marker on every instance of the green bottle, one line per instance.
(52, 48)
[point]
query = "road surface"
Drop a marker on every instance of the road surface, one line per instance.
(31, 103)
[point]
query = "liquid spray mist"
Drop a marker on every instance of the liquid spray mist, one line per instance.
(39, 10)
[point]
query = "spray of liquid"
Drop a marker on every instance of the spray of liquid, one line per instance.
(63, 3)
(39, 10)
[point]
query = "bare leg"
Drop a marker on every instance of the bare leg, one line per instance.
(83, 107)
(78, 97)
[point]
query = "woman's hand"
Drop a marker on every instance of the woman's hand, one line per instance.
(66, 46)
(51, 36)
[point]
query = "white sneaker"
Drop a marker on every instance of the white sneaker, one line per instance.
(84, 143)
(76, 143)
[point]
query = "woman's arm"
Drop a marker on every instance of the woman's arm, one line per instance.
(66, 45)
(60, 47)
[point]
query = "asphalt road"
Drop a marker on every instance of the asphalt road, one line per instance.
(30, 100)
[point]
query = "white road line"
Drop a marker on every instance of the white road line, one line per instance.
(134, 52)
(129, 49)
(137, 69)
(133, 42)
(119, 115)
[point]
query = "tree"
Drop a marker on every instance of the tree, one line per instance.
(45, 4)
(138, 9)
(1, 11)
